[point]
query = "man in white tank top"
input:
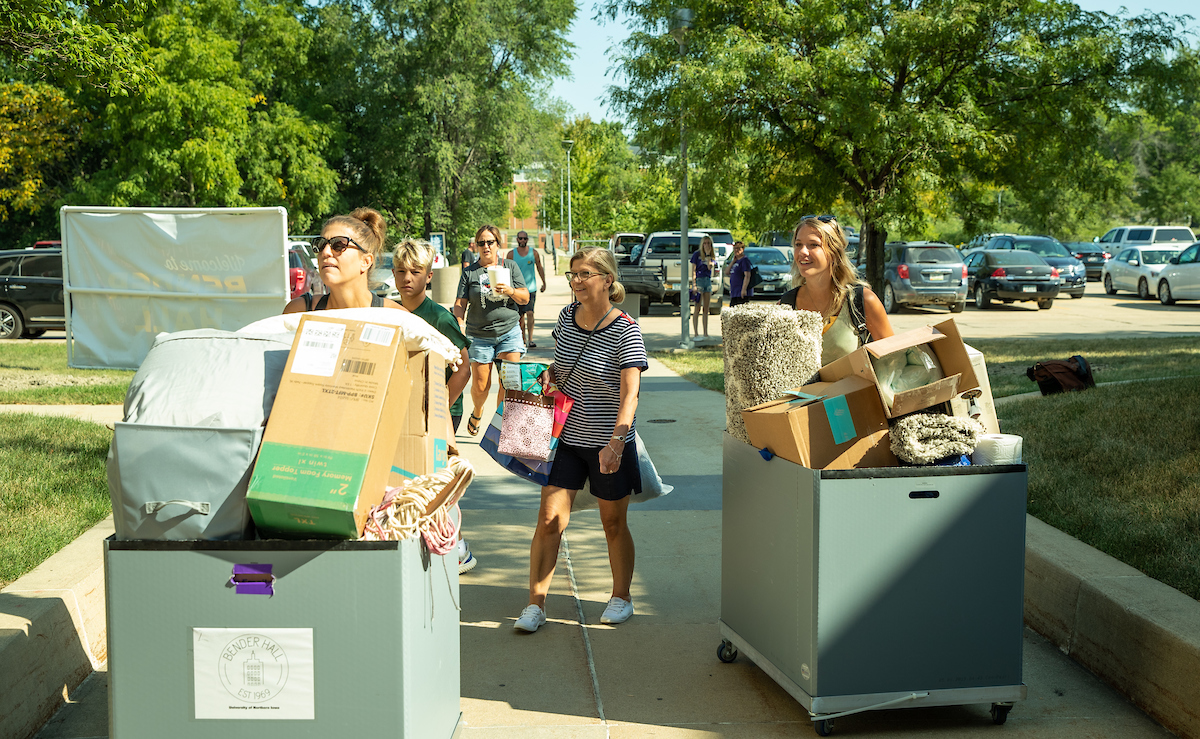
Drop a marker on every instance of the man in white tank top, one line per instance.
(530, 262)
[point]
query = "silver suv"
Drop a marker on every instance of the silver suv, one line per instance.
(923, 273)
(1138, 235)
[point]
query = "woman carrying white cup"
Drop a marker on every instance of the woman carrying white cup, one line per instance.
(488, 303)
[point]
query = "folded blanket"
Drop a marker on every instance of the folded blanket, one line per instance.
(924, 438)
(768, 349)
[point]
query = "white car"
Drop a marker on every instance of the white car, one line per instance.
(1136, 269)
(1180, 279)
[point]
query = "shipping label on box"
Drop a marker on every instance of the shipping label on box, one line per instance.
(946, 344)
(336, 422)
(825, 425)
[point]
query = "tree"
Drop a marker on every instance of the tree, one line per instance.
(39, 131)
(203, 134)
(438, 101)
(877, 102)
(93, 41)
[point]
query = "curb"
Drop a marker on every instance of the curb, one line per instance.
(1137, 634)
(53, 633)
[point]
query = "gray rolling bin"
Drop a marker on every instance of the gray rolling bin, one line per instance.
(273, 638)
(877, 588)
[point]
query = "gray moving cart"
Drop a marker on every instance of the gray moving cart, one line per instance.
(269, 639)
(863, 589)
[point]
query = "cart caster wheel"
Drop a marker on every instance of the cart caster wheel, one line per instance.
(726, 652)
(824, 727)
(1000, 713)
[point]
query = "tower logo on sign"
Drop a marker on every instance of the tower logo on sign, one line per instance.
(253, 668)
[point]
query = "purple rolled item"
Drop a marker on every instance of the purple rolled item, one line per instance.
(253, 579)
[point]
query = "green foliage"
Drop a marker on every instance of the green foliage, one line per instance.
(878, 105)
(93, 41)
(204, 134)
(39, 132)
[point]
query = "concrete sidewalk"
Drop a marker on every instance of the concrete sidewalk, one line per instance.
(658, 674)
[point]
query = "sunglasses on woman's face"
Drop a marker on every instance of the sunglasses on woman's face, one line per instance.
(486, 242)
(337, 244)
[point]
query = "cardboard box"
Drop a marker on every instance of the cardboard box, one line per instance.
(331, 441)
(985, 405)
(942, 339)
(425, 439)
(829, 425)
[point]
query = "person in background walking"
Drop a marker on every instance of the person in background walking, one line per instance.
(530, 263)
(826, 282)
(490, 312)
(739, 276)
(412, 266)
(599, 357)
(347, 249)
(468, 256)
(702, 262)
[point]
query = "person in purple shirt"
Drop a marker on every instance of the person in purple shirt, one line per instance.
(703, 260)
(739, 276)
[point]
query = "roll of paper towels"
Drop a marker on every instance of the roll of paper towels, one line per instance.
(997, 449)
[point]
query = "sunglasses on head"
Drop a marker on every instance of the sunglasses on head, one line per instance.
(825, 218)
(337, 244)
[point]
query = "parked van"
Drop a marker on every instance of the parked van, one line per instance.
(1139, 235)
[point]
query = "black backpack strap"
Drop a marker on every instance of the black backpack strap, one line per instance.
(858, 313)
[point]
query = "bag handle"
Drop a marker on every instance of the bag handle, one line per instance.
(155, 506)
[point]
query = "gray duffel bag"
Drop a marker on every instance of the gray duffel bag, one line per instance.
(180, 463)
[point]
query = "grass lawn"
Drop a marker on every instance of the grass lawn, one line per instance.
(1117, 467)
(1007, 360)
(53, 487)
(37, 373)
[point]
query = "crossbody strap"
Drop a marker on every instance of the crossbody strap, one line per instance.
(585, 346)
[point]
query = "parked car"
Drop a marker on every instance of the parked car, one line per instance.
(779, 240)
(1180, 279)
(381, 280)
(1136, 235)
(50, 244)
(980, 241)
(1010, 275)
(302, 277)
(1070, 269)
(1136, 269)
(923, 273)
(774, 268)
(31, 293)
(662, 252)
(1092, 255)
(623, 243)
(638, 279)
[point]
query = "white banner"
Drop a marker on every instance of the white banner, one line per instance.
(132, 273)
(253, 673)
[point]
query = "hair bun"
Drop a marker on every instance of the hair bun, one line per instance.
(374, 221)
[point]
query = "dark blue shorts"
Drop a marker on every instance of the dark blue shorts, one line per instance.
(573, 465)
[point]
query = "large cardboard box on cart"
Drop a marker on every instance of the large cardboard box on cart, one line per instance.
(355, 411)
(946, 344)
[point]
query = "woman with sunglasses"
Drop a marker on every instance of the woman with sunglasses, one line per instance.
(826, 282)
(491, 314)
(599, 357)
(346, 251)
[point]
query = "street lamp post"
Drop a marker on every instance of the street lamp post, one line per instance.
(570, 234)
(681, 23)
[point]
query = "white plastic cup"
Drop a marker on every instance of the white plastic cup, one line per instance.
(498, 275)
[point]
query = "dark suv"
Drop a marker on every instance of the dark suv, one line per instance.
(31, 293)
(923, 273)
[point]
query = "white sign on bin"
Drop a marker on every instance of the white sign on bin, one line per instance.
(253, 673)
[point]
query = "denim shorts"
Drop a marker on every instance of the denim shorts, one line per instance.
(483, 350)
(704, 284)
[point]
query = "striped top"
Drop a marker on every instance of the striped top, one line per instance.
(594, 379)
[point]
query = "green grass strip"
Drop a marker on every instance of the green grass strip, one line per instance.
(36, 373)
(53, 487)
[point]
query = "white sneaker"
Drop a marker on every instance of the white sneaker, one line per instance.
(530, 619)
(466, 560)
(617, 611)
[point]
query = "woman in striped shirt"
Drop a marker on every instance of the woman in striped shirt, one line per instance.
(599, 356)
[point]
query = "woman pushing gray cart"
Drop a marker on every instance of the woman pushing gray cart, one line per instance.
(862, 589)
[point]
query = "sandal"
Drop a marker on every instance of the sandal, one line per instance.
(473, 424)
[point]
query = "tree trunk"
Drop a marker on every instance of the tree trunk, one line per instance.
(870, 244)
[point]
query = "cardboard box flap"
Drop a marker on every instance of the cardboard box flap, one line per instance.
(908, 339)
(812, 393)
(925, 396)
